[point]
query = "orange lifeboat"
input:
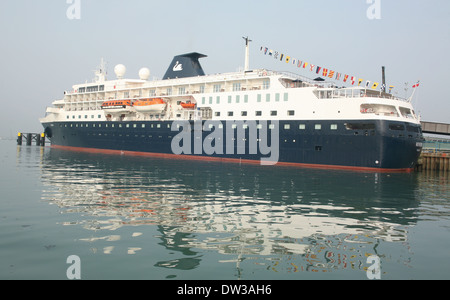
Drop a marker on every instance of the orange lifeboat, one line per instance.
(188, 105)
(150, 105)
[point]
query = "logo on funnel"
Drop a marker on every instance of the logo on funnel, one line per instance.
(178, 67)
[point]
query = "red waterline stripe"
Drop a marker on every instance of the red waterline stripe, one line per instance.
(229, 160)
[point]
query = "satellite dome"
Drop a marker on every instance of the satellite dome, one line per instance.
(120, 71)
(144, 73)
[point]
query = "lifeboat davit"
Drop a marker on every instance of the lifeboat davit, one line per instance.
(117, 106)
(153, 105)
(188, 105)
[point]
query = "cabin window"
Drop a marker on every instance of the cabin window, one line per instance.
(277, 97)
(217, 113)
(266, 84)
(243, 113)
(287, 126)
(218, 100)
(267, 97)
(333, 126)
(258, 113)
(230, 113)
(273, 113)
(396, 127)
(245, 98)
(360, 126)
(291, 112)
(238, 98)
(258, 98)
(286, 96)
(318, 126)
(302, 126)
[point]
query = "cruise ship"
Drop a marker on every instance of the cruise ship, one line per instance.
(251, 116)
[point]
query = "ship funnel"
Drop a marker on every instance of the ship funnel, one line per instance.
(185, 65)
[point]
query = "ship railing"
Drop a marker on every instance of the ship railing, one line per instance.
(299, 78)
(354, 92)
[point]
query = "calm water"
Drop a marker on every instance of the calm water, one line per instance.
(144, 218)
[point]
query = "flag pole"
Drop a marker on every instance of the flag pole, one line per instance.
(414, 91)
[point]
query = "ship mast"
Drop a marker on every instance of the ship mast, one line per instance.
(100, 73)
(247, 53)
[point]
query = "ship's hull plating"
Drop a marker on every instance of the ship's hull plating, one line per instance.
(384, 145)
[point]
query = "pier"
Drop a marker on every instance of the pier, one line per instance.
(434, 161)
(436, 151)
(29, 138)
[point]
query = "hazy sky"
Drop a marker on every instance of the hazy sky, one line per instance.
(43, 52)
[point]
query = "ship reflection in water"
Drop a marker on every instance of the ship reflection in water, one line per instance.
(279, 219)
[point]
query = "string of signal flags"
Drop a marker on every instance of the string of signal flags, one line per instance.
(325, 72)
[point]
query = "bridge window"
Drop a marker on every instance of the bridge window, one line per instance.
(379, 109)
(406, 112)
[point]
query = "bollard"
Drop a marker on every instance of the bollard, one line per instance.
(29, 139)
(42, 139)
(19, 139)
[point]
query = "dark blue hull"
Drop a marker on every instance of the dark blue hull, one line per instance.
(362, 144)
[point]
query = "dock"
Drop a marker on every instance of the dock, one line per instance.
(434, 161)
(29, 138)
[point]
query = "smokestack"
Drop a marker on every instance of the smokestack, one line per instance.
(383, 79)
